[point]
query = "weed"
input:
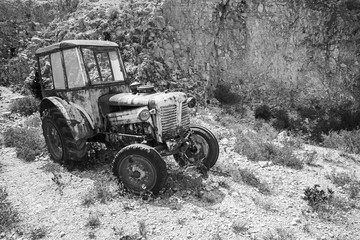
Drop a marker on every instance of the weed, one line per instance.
(248, 177)
(216, 236)
(347, 181)
(142, 229)
(239, 227)
(8, 215)
(258, 147)
(88, 199)
(348, 141)
(354, 189)
(310, 157)
(51, 166)
(112, 13)
(27, 141)
(181, 221)
(224, 94)
(281, 234)
(264, 203)
(306, 228)
(33, 121)
(59, 182)
(316, 198)
(92, 235)
(93, 220)
(25, 105)
(38, 233)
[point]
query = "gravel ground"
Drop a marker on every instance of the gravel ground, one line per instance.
(50, 198)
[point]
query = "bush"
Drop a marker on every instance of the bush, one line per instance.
(8, 216)
(28, 142)
(25, 105)
(224, 94)
(347, 181)
(263, 112)
(258, 147)
(248, 177)
(348, 141)
(317, 198)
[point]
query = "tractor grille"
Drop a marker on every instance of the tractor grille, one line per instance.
(185, 116)
(169, 120)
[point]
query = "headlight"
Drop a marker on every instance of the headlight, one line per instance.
(191, 102)
(144, 115)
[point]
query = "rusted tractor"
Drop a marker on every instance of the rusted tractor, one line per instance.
(87, 97)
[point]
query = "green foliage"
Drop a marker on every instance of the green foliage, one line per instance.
(317, 198)
(38, 233)
(93, 220)
(281, 234)
(8, 215)
(225, 95)
(28, 142)
(257, 146)
(348, 181)
(348, 141)
(25, 105)
(248, 177)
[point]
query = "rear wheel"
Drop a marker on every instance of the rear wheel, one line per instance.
(202, 151)
(140, 168)
(59, 140)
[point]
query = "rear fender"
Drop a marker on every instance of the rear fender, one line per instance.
(78, 120)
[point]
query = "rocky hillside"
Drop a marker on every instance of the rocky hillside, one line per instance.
(306, 48)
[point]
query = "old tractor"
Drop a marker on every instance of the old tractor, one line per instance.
(87, 97)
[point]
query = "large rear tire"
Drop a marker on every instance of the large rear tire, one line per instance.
(203, 149)
(59, 140)
(140, 168)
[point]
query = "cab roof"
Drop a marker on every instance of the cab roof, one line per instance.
(72, 44)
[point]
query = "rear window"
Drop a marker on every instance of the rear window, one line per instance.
(75, 70)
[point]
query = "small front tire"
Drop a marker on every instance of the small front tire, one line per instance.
(203, 149)
(140, 168)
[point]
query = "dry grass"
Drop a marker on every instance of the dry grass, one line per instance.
(248, 177)
(8, 215)
(28, 142)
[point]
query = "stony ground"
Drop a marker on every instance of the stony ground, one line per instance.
(51, 199)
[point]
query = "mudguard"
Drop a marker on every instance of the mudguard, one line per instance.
(78, 120)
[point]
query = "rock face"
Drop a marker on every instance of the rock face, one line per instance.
(308, 46)
(308, 43)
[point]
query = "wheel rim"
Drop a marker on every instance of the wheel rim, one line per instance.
(137, 173)
(199, 149)
(54, 141)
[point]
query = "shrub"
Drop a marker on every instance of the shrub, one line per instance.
(28, 142)
(349, 182)
(224, 94)
(93, 220)
(38, 233)
(25, 105)
(257, 147)
(8, 216)
(348, 141)
(248, 177)
(317, 198)
(263, 112)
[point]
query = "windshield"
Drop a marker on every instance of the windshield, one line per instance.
(102, 66)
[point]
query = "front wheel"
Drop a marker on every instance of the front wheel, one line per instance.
(140, 168)
(202, 151)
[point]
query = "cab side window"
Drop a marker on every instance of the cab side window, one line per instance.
(58, 71)
(46, 73)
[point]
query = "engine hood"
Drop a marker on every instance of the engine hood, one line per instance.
(142, 99)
